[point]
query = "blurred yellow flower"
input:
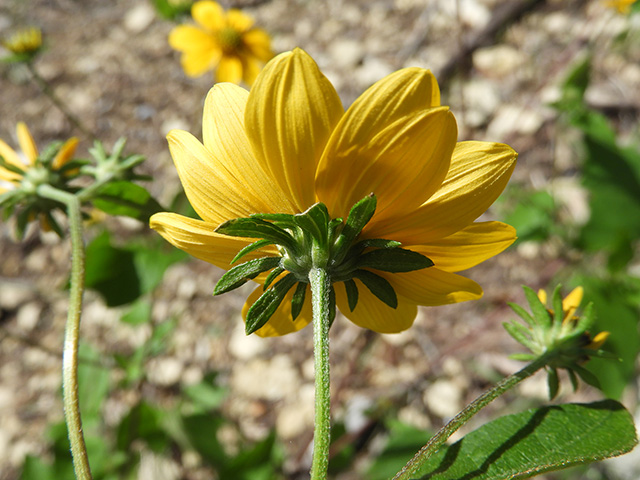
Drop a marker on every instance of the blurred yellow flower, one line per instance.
(622, 6)
(226, 42)
(24, 42)
(289, 143)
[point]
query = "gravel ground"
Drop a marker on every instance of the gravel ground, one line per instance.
(111, 65)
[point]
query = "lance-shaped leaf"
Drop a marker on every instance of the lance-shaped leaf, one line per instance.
(284, 220)
(394, 260)
(297, 302)
(378, 286)
(352, 293)
(241, 274)
(251, 248)
(359, 216)
(532, 442)
(315, 221)
(257, 228)
(540, 314)
(266, 305)
(273, 274)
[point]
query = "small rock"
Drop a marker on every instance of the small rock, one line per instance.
(14, 294)
(498, 61)
(372, 70)
(243, 346)
(297, 418)
(165, 371)
(514, 119)
(273, 379)
(28, 316)
(139, 18)
(346, 53)
(443, 398)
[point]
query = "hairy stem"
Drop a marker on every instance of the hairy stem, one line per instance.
(465, 415)
(320, 294)
(72, 332)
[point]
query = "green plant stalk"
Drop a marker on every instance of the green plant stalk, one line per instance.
(72, 332)
(320, 294)
(434, 444)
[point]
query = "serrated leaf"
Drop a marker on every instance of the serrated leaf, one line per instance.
(297, 302)
(266, 305)
(533, 442)
(257, 228)
(251, 248)
(379, 286)
(394, 260)
(540, 313)
(352, 294)
(241, 274)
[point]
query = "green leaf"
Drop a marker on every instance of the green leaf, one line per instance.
(206, 395)
(143, 422)
(553, 383)
(520, 333)
(379, 286)
(394, 260)
(241, 274)
(201, 430)
(352, 293)
(315, 221)
(540, 313)
(522, 313)
(332, 305)
(536, 441)
(126, 199)
(139, 313)
(257, 228)
(34, 468)
(250, 248)
(265, 306)
(297, 302)
(273, 274)
(359, 216)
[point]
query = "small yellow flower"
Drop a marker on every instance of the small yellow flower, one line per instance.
(570, 303)
(24, 42)
(622, 6)
(289, 143)
(226, 42)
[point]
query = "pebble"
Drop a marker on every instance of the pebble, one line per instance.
(499, 60)
(139, 18)
(165, 371)
(13, 294)
(243, 346)
(443, 398)
(28, 316)
(296, 418)
(273, 379)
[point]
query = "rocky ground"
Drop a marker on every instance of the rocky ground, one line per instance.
(111, 65)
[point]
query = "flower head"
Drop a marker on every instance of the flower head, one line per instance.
(20, 175)
(227, 42)
(288, 147)
(622, 6)
(24, 44)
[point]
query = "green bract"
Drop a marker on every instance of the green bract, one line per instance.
(313, 239)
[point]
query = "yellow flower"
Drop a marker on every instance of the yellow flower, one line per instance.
(24, 42)
(289, 143)
(570, 303)
(227, 42)
(27, 168)
(622, 6)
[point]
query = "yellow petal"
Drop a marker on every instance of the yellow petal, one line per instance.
(432, 286)
(542, 296)
(281, 323)
(27, 145)
(468, 247)
(598, 340)
(572, 301)
(187, 38)
(229, 70)
(291, 112)
(250, 70)
(403, 162)
(65, 153)
(196, 62)
(258, 42)
(208, 14)
(214, 194)
(224, 137)
(371, 313)
(198, 239)
(238, 20)
(478, 173)
(10, 156)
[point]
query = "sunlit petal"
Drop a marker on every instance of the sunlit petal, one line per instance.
(258, 43)
(27, 145)
(403, 163)
(291, 111)
(478, 173)
(65, 153)
(281, 323)
(229, 69)
(208, 14)
(371, 313)
(196, 62)
(10, 156)
(238, 20)
(432, 286)
(572, 301)
(468, 247)
(187, 38)
(224, 137)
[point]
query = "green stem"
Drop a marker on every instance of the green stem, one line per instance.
(48, 91)
(72, 332)
(465, 415)
(320, 294)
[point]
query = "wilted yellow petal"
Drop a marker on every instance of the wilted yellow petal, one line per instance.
(229, 70)
(572, 301)
(432, 287)
(208, 14)
(478, 173)
(468, 247)
(65, 153)
(281, 323)
(198, 239)
(403, 163)
(214, 194)
(27, 145)
(291, 111)
(373, 314)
